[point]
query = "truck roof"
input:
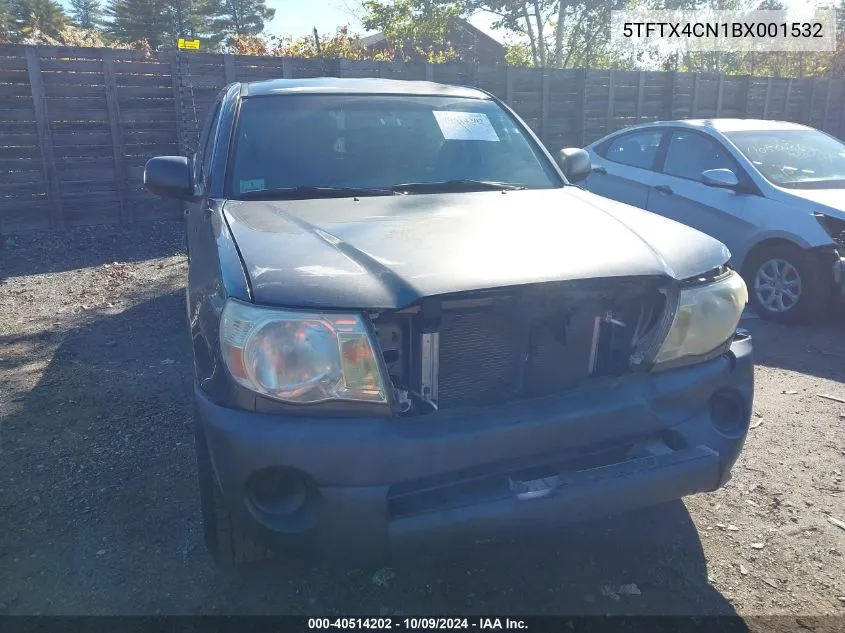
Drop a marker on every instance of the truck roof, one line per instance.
(338, 85)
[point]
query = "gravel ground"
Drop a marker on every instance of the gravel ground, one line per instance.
(99, 505)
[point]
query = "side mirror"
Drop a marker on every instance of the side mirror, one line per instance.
(723, 178)
(169, 177)
(575, 164)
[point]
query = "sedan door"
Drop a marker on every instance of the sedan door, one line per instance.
(678, 192)
(623, 166)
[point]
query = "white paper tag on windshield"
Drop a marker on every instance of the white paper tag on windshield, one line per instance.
(465, 126)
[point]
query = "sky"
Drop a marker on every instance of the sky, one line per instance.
(298, 17)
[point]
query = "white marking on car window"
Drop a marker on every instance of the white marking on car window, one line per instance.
(465, 126)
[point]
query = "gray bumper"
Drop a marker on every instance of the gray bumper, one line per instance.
(380, 483)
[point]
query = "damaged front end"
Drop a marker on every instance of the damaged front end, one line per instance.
(490, 347)
(834, 256)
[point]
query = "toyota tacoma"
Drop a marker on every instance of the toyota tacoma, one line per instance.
(409, 324)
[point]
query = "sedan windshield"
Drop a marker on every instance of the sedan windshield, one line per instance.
(794, 159)
(295, 146)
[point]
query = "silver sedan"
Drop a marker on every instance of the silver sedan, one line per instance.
(772, 192)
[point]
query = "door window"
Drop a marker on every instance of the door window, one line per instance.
(636, 150)
(205, 152)
(690, 154)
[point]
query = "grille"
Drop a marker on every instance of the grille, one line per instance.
(487, 358)
(479, 359)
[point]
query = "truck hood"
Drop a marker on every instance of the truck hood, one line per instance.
(388, 252)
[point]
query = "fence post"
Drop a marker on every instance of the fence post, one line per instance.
(807, 114)
(287, 71)
(581, 108)
(229, 68)
(695, 85)
(113, 107)
(788, 99)
(178, 104)
(768, 100)
(720, 94)
(611, 98)
(640, 95)
(429, 71)
(671, 79)
(509, 81)
(544, 107)
(45, 138)
(826, 105)
(745, 95)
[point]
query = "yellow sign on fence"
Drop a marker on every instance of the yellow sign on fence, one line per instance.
(189, 44)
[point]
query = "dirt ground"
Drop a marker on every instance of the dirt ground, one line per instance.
(99, 505)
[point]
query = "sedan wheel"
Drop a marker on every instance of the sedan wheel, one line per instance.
(787, 284)
(777, 285)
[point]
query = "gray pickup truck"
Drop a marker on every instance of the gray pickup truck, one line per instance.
(409, 325)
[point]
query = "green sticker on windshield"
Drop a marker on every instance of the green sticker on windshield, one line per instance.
(252, 185)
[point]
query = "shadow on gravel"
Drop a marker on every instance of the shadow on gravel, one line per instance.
(817, 350)
(51, 252)
(99, 514)
(644, 563)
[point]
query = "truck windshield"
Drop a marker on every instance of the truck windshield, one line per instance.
(794, 159)
(311, 145)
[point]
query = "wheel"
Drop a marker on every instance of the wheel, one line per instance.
(787, 284)
(227, 542)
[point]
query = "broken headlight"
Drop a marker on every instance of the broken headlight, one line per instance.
(300, 357)
(705, 321)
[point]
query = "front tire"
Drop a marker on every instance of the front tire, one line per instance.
(787, 284)
(227, 542)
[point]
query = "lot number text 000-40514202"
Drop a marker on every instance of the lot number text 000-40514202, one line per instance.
(417, 623)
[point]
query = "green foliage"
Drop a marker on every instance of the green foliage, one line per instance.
(163, 22)
(518, 54)
(414, 28)
(135, 20)
(5, 20)
(341, 45)
(241, 17)
(86, 14)
(31, 16)
(193, 19)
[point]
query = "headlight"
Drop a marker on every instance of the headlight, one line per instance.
(705, 320)
(300, 357)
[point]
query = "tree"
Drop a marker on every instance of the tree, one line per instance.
(414, 28)
(341, 45)
(241, 17)
(28, 16)
(137, 20)
(518, 54)
(5, 21)
(86, 14)
(193, 19)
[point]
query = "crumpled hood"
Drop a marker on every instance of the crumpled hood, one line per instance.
(830, 201)
(388, 252)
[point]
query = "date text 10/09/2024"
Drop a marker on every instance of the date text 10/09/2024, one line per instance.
(412, 624)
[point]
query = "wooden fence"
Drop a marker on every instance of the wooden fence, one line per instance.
(78, 124)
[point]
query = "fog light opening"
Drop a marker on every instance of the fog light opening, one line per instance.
(728, 412)
(278, 491)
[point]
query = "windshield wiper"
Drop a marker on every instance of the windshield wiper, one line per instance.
(300, 193)
(447, 186)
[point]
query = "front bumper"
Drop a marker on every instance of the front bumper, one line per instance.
(368, 485)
